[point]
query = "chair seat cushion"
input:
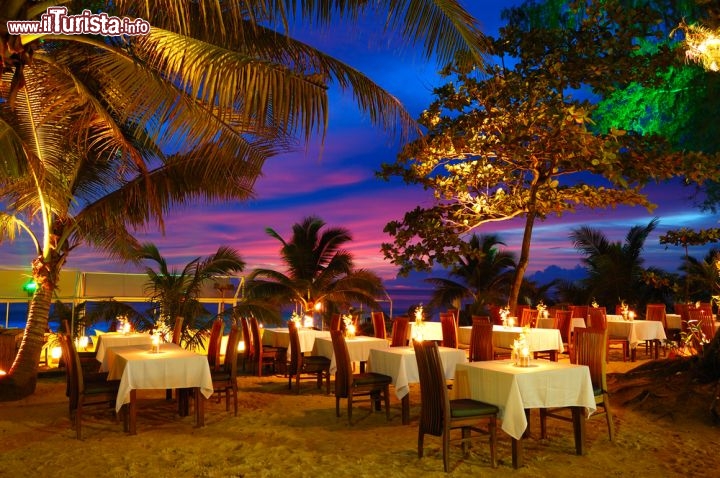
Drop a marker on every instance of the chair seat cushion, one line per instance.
(316, 360)
(96, 388)
(465, 407)
(370, 378)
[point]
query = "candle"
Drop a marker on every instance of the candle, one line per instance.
(511, 322)
(156, 343)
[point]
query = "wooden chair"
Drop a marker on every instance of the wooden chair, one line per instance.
(590, 349)
(579, 312)
(246, 355)
(349, 385)
(563, 321)
(706, 323)
(529, 318)
(335, 322)
(439, 415)
(481, 345)
(213, 350)
(449, 330)
(658, 313)
(481, 318)
(262, 354)
(399, 334)
(85, 390)
(378, 322)
(598, 320)
(315, 367)
(495, 317)
(225, 379)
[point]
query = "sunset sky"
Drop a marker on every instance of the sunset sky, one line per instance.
(339, 185)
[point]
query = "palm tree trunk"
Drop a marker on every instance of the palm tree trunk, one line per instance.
(522, 261)
(21, 379)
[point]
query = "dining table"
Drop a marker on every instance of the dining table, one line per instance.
(400, 363)
(636, 331)
(118, 339)
(138, 367)
(538, 339)
(359, 348)
(515, 390)
(425, 330)
(280, 337)
(549, 323)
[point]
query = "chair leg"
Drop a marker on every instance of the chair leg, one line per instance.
(386, 393)
(446, 450)
(492, 428)
(609, 417)
(421, 436)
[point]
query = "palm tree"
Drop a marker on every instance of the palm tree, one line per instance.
(615, 270)
(103, 135)
(484, 274)
(319, 271)
(702, 277)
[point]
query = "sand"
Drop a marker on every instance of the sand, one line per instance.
(663, 423)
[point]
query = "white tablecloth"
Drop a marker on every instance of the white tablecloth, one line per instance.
(548, 323)
(538, 340)
(400, 363)
(280, 337)
(513, 389)
(116, 339)
(429, 331)
(635, 331)
(358, 348)
(138, 368)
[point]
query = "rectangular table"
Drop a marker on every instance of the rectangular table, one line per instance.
(280, 337)
(539, 340)
(544, 384)
(117, 339)
(138, 368)
(358, 348)
(635, 331)
(428, 331)
(400, 363)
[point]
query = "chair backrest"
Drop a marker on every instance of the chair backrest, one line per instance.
(72, 389)
(704, 320)
(295, 364)
(597, 318)
(246, 337)
(495, 317)
(591, 350)
(399, 335)
(563, 321)
(378, 322)
(335, 322)
(434, 399)
(529, 318)
(481, 318)
(579, 311)
(449, 330)
(343, 373)
(231, 352)
(177, 330)
(481, 346)
(656, 312)
(456, 315)
(216, 333)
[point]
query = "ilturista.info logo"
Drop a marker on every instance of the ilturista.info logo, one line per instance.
(56, 21)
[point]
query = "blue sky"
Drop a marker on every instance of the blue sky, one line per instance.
(338, 184)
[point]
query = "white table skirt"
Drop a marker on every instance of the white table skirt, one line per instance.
(636, 331)
(538, 340)
(358, 348)
(138, 368)
(513, 389)
(280, 337)
(116, 339)
(401, 364)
